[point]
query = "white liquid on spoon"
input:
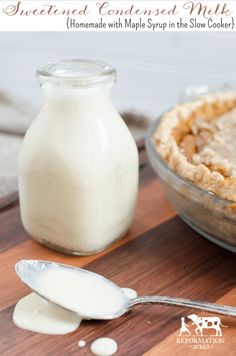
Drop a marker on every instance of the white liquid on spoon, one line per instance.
(130, 293)
(104, 346)
(36, 314)
(87, 294)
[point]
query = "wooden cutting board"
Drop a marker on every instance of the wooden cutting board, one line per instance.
(160, 255)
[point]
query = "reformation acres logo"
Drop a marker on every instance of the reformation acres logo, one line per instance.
(202, 333)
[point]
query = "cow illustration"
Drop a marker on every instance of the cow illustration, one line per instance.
(208, 322)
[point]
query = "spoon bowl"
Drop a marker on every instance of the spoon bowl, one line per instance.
(86, 293)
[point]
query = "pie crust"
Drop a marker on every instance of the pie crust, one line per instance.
(198, 141)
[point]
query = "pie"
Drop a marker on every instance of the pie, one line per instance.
(198, 142)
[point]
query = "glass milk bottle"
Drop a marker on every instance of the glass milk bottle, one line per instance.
(78, 166)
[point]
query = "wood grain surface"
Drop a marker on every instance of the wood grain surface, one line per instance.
(159, 255)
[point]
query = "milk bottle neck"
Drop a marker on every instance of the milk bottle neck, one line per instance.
(83, 97)
(77, 81)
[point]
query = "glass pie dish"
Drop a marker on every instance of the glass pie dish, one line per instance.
(211, 216)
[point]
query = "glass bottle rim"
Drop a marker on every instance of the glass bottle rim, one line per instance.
(77, 73)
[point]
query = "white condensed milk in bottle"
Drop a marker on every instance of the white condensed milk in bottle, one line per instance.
(78, 166)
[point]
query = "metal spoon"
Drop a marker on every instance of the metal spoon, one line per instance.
(29, 271)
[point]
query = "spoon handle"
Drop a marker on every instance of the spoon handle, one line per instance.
(186, 303)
